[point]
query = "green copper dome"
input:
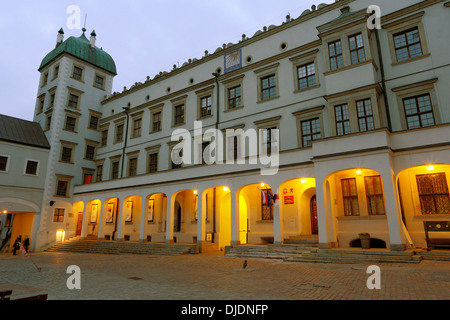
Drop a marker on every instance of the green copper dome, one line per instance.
(81, 49)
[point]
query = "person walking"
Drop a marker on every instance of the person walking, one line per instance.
(26, 243)
(16, 245)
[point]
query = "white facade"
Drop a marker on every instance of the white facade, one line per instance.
(286, 81)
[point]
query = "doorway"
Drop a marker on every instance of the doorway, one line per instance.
(313, 210)
(79, 224)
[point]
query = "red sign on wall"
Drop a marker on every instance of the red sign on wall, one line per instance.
(288, 199)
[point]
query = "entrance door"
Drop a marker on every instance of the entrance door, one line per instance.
(313, 209)
(79, 224)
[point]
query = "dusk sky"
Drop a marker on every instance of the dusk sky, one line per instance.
(143, 37)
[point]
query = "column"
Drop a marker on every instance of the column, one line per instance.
(201, 219)
(100, 219)
(119, 220)
(392, 202)
(169, 217)
(278, 237)
(234, 213)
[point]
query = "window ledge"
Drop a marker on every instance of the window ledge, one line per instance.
(267, 100)
(307, 89)
(430, 217)
(233, 109)
(264, 221)
(371, 217)
(411, 60)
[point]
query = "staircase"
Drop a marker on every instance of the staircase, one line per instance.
(356, 256)
(115, 247)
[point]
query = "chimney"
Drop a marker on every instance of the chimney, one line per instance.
(92, 39)
(60, 37)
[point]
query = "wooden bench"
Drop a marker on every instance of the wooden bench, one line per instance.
(436, 226)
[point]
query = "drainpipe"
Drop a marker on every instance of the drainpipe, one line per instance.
(383, 82)
(216, 75)
(126, 109)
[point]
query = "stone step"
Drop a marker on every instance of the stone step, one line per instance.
(438, 255)
(106, 247)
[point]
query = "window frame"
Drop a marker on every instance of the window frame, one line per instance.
(26, 168)
(343, 121)
(357, 49)
(407, 23)
(8, 157)
(350, 197)
(56, 217)
(374, 195)
(264, 73)
(433, 194)
(419, 113)
(364, 116)
(230, 84)
(81, 75)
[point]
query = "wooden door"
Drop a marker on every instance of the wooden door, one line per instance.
(79, 224)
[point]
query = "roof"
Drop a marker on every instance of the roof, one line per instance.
(79, 47)
(22, 132)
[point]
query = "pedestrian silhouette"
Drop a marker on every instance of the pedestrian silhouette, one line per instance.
(26, 243)
(16, 245)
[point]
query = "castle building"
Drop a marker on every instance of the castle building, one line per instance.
(340, 114)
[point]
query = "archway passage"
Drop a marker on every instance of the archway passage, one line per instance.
(354, 204)
(255, 214)
(424, 196)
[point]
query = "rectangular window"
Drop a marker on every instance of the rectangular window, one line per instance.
(310, 131)
(52, 100)
(73, 101)
(269, 140)
(179, 114)
(234, 97)
(350, 196)
(115, 170)
(419, 111)
(433, 193)
(61, 188)
(357, 48)
(87, 178)
(153, 163)
(374, 193)
(99, 174)
(99, 82)
(93, 123)
(56, 71)
(407, 44)
(58, 215)
(132, 167)
(342, 119)
(70, 124)
(335, 52)
(48, 123)
(306, 76)
(137, 125)
(119, 133)
(268, 87)
(66, 154)
(3, 163)
(41, 104)
(157, 121)
(77, 73)
(206, 103)
(176, 158)
(365, 115)
(90, 152)
(104, 138)
(31, 167)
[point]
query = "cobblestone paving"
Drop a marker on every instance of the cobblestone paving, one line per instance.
(215, 277)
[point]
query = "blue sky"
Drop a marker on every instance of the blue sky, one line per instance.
(143, 37)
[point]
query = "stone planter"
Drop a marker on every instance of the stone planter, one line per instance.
(365, 240)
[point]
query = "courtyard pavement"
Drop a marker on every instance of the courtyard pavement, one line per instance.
(212, 276)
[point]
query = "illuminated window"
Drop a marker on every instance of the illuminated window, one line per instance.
(433, 193)
(374, 193)
(350, 196)
(58, 215)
